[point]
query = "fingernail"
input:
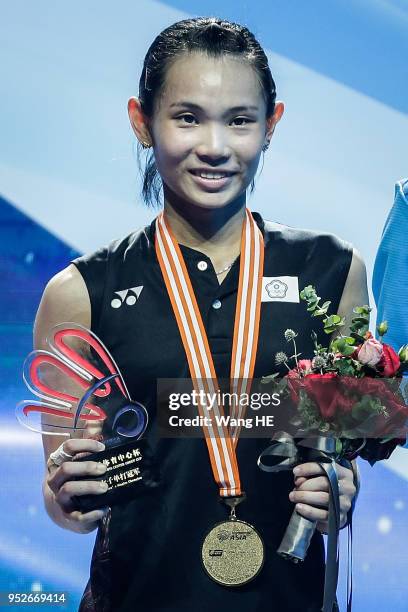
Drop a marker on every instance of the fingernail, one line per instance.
(100, 446)
(101, 468)
(103, 485)
(296, 471)
(291, 495)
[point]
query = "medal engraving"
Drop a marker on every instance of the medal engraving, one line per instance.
(232, 553)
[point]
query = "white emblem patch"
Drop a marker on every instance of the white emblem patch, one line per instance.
(127, 296)
(280, 289)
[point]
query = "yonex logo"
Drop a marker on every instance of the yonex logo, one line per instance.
(127, 296)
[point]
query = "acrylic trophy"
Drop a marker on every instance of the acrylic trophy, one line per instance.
(82, 394)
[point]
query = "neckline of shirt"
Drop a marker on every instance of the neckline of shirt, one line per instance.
(194, 254)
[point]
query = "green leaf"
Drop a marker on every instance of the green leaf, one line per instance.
(322, 310)
(307, 292)
(362, 309)
(332, 323)
(269, 378)
(281, 386)
(319, 313)
(357, 337)
(333, 319)
(359, 320)
(343, 345)
(359, 325)
(367, 410)
(347, 350)
(360, 411)
(345, 367)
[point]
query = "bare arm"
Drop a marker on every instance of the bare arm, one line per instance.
(66, 299)
(355, 292)
(310, 486)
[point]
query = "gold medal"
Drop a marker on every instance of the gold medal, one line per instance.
(232, 553)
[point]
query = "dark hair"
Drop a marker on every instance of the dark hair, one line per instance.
(210, 35)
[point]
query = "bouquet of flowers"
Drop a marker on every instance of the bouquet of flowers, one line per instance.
(347, 401)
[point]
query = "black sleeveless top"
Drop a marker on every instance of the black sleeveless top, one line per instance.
(147, 552)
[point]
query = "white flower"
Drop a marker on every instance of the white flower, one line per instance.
(370, 352)
(280, 357)
(318, 362)
(290, 335)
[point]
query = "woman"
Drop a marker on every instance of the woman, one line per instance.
(207, 109)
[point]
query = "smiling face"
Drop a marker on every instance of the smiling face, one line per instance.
(210, 121)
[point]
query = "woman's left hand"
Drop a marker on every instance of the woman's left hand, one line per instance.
(311, 493)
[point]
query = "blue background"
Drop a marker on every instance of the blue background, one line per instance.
(69, 183)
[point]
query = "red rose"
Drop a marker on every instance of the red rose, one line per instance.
(389, 362)
(296, 374)
(387, 392)
(324, 390)
(304, 366)
(335, 396)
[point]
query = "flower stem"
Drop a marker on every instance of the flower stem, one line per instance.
(295, 355)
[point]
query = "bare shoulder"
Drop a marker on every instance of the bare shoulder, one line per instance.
(355, 292)
(357, 263)
(65, 298)
(356, 282)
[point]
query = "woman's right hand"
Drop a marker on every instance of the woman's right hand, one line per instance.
(61, 481)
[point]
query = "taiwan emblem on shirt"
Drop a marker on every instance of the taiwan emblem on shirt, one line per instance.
(280, 289)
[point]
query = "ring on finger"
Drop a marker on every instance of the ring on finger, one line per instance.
(60, 456)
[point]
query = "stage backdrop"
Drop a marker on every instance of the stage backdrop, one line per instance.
(69, 183)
